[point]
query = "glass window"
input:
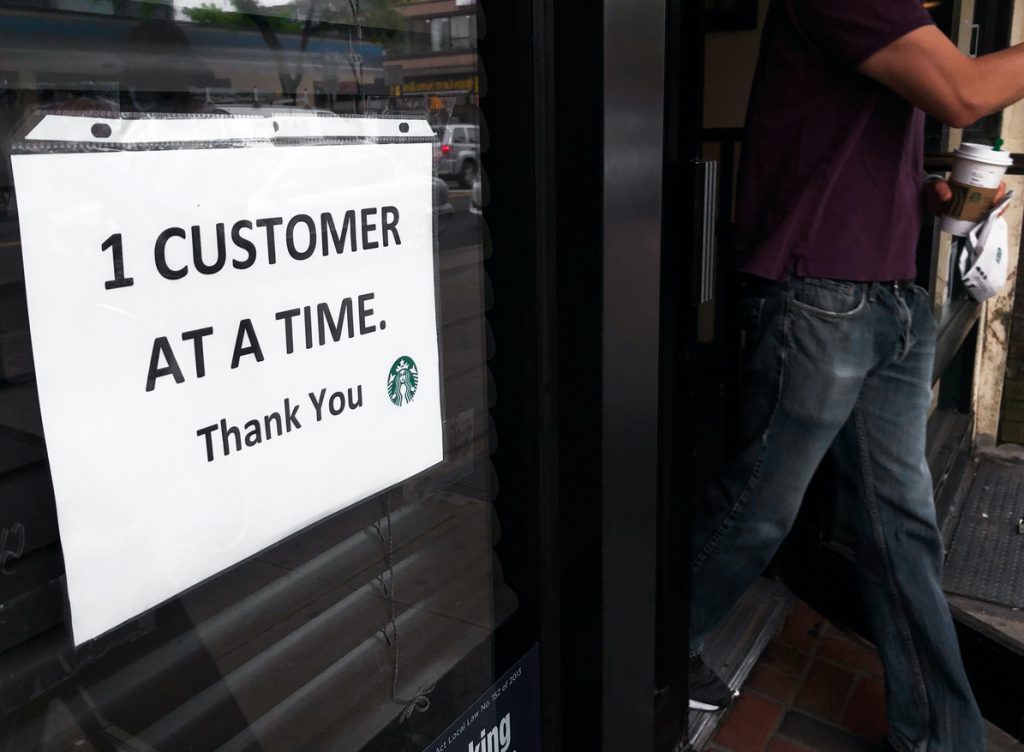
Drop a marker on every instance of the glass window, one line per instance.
(418, 36)
(462, 32)
(440, 34)
(368, 629)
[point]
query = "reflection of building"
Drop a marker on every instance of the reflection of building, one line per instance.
(211, 59)
(434, 65)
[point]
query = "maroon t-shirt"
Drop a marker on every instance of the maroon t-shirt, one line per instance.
(832, 167)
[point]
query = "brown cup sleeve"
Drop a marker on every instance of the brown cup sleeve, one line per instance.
(970, 203)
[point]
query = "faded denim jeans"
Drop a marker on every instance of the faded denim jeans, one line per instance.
(844, 367)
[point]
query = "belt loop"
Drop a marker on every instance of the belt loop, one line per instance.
(791, 285)
(872, 291)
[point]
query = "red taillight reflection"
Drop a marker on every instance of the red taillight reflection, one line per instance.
(445, 148)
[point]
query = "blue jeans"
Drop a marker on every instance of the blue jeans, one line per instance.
(846, 367)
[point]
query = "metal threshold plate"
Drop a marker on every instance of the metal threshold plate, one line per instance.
(986, 556)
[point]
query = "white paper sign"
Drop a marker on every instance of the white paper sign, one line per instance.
(229, 344)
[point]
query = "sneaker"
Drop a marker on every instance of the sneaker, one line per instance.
(707, 690)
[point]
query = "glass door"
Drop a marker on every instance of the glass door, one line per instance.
(375, 620)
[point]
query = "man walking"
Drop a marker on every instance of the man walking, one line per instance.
(839, 341)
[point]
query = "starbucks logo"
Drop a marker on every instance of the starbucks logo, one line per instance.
(403, 379)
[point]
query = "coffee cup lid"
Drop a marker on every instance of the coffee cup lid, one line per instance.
(984, 153)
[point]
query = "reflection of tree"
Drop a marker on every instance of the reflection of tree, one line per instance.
(313, 18)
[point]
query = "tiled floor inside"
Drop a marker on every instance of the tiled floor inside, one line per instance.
(815, 688)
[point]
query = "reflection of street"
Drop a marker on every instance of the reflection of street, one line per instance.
(458, 196)
(466, 228)
(11, 272)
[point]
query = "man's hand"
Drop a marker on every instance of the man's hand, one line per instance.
(938, 194)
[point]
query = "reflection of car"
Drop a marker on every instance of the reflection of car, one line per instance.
(442, 206)
(476, 197)
(268, 110)
(458, 153)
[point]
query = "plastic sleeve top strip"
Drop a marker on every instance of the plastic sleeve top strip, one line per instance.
(94, 130)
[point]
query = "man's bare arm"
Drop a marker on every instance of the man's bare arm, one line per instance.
(926, 69)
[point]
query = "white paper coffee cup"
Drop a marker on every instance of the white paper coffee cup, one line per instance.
(977, 172)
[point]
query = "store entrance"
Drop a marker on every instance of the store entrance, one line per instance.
(977, 492)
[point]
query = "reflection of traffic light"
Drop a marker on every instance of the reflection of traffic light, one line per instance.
(436, 104)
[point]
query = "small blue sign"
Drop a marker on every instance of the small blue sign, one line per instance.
(506, 718)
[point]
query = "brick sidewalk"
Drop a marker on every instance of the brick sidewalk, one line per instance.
(814, 689)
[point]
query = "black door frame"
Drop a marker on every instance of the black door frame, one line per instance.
(634, 72)
(520, 265)
(590, 277)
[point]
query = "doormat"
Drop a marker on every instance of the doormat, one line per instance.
(986, 557)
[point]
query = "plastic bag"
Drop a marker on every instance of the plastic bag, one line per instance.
(985, 257)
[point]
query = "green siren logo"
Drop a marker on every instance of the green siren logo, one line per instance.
(403, 380)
